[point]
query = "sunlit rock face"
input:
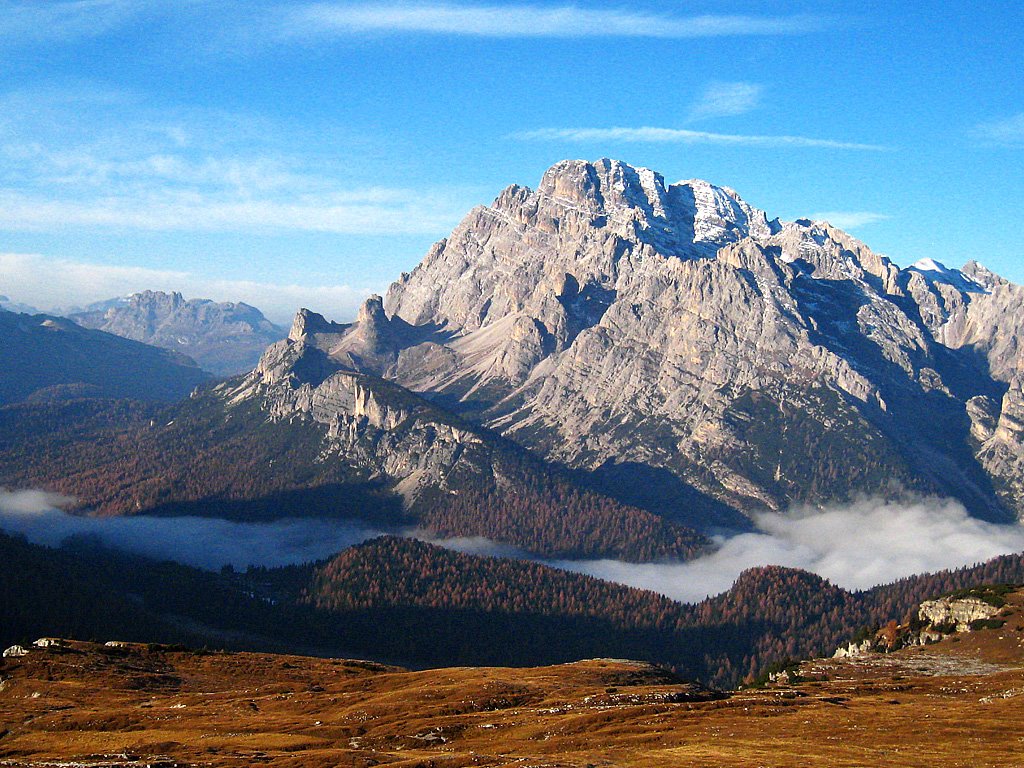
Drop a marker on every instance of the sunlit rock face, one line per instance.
(678, 347)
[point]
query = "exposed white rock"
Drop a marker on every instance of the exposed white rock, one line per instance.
(955, 612)
(609, 317)
(15, 651)
(49, 642)
(852, 649)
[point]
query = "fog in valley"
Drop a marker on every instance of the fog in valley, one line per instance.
(855, 546)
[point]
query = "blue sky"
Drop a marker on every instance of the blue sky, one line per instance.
(304, 153)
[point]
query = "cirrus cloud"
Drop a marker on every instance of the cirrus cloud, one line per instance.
(653, 135)
(721, 99)
(536, 20)
(1005, 132)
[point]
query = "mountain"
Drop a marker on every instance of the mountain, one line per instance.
(299, 438)
(606, 336)
(225, 338)
(52, 358)
(8, 304)
(677, 348)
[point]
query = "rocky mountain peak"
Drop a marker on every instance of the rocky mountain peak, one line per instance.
(372, 311)
(156, 299)
(934, 271)
(598, 222)
(371, 343)
(609, 319)
(983, 276)
(605, 186)
(679, 216)
(308, 324)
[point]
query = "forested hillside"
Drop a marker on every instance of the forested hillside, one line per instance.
(407, 602)
(484, 610)
(50, 358)
(205, 457)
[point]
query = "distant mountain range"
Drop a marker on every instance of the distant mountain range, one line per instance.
(224, 338)
(45, 358)
(10, 305)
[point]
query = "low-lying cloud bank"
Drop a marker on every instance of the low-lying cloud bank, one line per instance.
(202, 542)
(855, 546)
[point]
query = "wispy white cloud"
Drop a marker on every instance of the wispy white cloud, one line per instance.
(367, 212)
(684, 136)
(231, 25)
(535, 20)
(102, 160)
(1006, 132)
(850, 219)
(36, 20)
(54, 284)
(721, 99)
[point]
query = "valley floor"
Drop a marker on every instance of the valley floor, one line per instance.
(956, 703)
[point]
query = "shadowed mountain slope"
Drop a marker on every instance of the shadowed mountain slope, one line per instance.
(51, 358)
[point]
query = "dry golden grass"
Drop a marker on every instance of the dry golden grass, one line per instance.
(953, 704)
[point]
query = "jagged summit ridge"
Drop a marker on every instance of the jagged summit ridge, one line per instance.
(936, 272)
(686, 215)
(582, 220)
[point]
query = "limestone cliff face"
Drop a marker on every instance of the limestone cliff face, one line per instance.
(370, 423)
(455, 478)
(957, 613)
(611, 321)
(980, 317)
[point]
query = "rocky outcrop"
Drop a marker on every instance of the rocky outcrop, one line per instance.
(369, 422)
(613, 322)
(50, 642)
(224, 338)
(853, 649)
(955, 613)
(960, 612)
